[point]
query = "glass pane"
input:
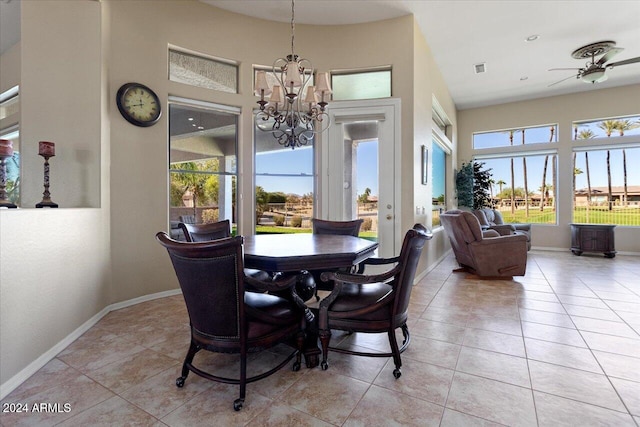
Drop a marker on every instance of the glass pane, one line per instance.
(365, 85)
(203, 164)
(438, 178)
(594, 202)
(203, 72)
(12, 167)
(366, 185)
(522, 136)
(607, 128)
(522, 197)
(284, 186)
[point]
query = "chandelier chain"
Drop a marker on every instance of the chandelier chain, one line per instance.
(293, 27)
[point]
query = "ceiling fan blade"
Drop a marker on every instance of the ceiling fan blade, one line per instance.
(625, 62)
(558, 69)
(607, 56)
(570, 77)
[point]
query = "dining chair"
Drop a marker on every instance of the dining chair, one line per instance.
(215, 231)
(373, 303)
(226, 319)
(344, 228)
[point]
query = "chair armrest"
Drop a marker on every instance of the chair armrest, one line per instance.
(376, 261)
(503, 229)
(523, 227)
(273, 286)
(339, 277)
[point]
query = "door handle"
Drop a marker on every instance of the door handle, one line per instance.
(389, 217)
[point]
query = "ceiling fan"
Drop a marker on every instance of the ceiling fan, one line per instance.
(594, 71)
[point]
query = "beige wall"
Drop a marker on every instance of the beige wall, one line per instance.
(563, 110)
(62, 267)
(54, 263)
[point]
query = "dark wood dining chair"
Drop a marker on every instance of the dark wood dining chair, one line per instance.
(373, 303)
(214, 231)
(226, 319)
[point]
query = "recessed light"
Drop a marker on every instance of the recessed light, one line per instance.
(532, 38)
(190, 119)
(200, 127)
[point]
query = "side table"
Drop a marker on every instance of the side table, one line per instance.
(593, 238)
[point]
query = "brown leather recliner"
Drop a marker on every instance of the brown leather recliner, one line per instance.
(491, 219)
(502, 256)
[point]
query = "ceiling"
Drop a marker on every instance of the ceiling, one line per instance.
(463, 33)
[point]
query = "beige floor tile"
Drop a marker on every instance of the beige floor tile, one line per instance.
(495, 341)
(560, 354)
(546, 318)
(132, 370)
(446, 315)
(452, 418)
(87, 354)
(159, 395)
(612, 344)
(54, 373)
(439, 331)
(111, 412)
(495, 366)
(624, 306)
(553, 307)
(617, 365)
(80, 394)
(554, 411)
(381, 406)
(553, 333)
(326, 395)
(604, 327)
(582, 301)
(358, 367)
(539, 296)
(496, 324)
(630, 393)
(421, 380)
(439, 353)
(583, 386)
(278, 414)
(592, 312)
(492, 400)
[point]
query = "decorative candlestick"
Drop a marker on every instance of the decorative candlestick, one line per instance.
(46, 150)
(6, 152)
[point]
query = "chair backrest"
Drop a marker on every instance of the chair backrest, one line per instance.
(212, 283)
(345, 228)
(206, 232)
(414, 241)
(462, 228)
(188, 219)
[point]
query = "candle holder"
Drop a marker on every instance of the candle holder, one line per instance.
(6, 152)
(46, 150)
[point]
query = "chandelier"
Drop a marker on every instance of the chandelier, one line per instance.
(292, 119)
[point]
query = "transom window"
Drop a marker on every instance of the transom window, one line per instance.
(368, 84)
(517, 136)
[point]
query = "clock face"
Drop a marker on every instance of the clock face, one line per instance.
(138, 104)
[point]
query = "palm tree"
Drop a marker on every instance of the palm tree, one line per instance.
(609, 126)
(552, 130)
(622, 126)
(500, 183)
(587, 134)
(576, 172)
(554, 177)
(526, 185)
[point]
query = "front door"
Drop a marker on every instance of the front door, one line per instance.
(359, 168)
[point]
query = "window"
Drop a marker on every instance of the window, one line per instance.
(524, 187)
(438, 179)
(202, 162)
(284, 183)
(200, 71)
(520, 136)
(607, 185)
(361, 84)
(12, 165)
(601, 128)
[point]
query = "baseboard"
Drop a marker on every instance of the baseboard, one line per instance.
(421, 276)
(33, 367)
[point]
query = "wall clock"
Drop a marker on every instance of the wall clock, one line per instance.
(138, 104)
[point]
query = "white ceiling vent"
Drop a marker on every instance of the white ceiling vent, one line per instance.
(480, 68)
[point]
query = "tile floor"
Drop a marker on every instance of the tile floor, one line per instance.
(557, 347)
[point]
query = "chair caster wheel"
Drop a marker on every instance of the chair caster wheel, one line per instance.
(397, 373)
(237, 404)
(180, 382)
(296, 367)
(324, 365)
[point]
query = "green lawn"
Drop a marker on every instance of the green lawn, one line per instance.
(265, 229)
(597, 215)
